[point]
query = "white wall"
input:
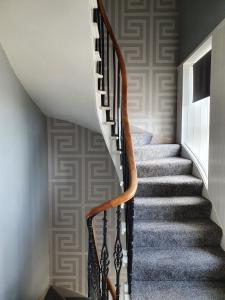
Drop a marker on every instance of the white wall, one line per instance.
(195, 115)
(24, 259)
(50, 45)
(217, 129)
(215, 190)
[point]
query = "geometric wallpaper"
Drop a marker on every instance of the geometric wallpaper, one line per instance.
(147, 32)
(81, 175)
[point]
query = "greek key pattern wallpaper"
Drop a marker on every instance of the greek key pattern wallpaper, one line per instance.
(81, 175)
(147, 31)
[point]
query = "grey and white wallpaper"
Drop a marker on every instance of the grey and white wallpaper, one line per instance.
(81, 175)
(147, 31)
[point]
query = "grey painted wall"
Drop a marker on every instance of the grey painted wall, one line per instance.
(198, 19)
(24, 267)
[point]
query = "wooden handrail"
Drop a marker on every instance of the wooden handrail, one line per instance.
(130, 192)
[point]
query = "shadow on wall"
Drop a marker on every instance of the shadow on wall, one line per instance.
(24, 252)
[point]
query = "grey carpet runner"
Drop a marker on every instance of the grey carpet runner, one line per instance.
(177, 252)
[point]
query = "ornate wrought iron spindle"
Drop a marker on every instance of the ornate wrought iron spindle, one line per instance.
(118, 252)
(104, 262)
(94, 288)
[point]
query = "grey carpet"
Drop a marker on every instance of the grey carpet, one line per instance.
(179, 264)
(167, 235)
(176, 252)
(182, 185)
(178, 290)
(149, 152)
(171, 208)
(164, 167)
(140, 137)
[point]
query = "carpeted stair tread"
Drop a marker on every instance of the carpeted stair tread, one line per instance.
(164, 167)
(167, 235)
(149, 152)
(203, 264)
(176, 247)
(178, 290)
(171, 208)
(140, 137)
(182, 185)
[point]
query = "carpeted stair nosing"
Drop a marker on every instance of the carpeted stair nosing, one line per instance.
(182, 185)
(149, 152)
(178, 290)
(171, 208)
(182, 264)
(168, 235)
(164, 167)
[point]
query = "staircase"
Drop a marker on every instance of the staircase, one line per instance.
(176, 252)
(172, 247)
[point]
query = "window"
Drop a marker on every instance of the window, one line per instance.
(201, 77)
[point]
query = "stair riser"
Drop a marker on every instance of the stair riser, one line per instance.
(169, 240)
(168, 190)
(172, 213)
(164, 170)
(141, 139)
(154, 153)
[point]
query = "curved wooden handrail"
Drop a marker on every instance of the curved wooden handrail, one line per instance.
(130, 192)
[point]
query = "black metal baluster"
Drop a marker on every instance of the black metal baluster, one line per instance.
(97, 19)
(129, 233)
(121, 146)
(118, 252)
(95, 15)
(104, 262)
(103, 60)
(114, 92)
(126, 170)
(129, 218)
(118, 109)
(123, 154)
(94, 289)
(108, 114)
(108, 90)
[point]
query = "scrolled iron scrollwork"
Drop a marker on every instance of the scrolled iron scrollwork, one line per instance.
(118, 252)
(104, 261)
(94, 288)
